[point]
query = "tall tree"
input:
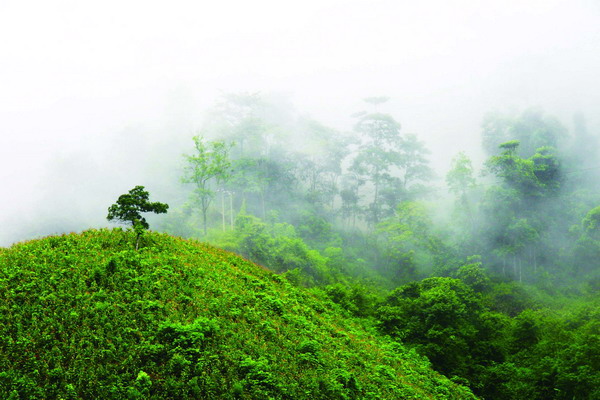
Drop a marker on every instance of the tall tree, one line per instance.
(392, 166)
(320, 163)
(586, 253)
(209, 164)
(461, 182)
(376, 157)
(517, 211)
(413, 162)
(531, 128)
(239, 119)
(350, 197)
(460, 178)
(535, 176)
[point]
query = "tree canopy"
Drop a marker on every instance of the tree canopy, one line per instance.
(129, 207)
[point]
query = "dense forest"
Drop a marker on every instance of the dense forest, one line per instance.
(491, 272)
(366, 273)
(289, 200)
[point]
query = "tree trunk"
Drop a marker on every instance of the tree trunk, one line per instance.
(231, 209)
(223, 208)
(520, 270)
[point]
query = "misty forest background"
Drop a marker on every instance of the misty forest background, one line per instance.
(490, 271)
(453, 224)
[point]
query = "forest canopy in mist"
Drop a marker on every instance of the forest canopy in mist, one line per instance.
(92, 96)
(427, 169)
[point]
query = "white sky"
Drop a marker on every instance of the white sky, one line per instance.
(75, 74)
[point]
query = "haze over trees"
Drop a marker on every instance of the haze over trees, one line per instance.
(366, 200)
(209, 165)
(489, 271)
(473, 275)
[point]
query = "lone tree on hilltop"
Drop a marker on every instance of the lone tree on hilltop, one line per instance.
(128, 208)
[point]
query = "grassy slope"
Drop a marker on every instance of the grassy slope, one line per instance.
(86, 316)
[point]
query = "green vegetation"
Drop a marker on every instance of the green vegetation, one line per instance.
(366, 270)
(494, 284)
(209, 163)
(459, 325)
(86, 316)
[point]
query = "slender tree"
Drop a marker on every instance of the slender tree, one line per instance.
(376, 157)
(210, 163)
(461, 182)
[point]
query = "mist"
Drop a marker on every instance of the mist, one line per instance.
(97, 99)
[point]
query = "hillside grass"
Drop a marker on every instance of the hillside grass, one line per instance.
(87, 316)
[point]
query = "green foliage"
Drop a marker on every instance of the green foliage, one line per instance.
(531, 129)
(460, 177)
(518, 173)
(520, 213)
(317, 232)
(412, 248)
(591, 222)
(340, 215)
(510, 298)
(358, 299)
(85, 316)
(276, 247)
(390, 163)
(586, 249)
(560, 352)
(209, 163)
(129, 206)
(474, 276)
(491, 336)
(443, 318)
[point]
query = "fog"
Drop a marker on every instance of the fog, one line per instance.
(95, 99)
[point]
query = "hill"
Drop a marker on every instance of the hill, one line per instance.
(87, 316)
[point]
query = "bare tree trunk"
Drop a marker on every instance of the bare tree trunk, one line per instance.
(231, 209)
(520, 271)
(223, 208)
(204, 203)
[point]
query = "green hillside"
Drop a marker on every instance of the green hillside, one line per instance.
(86, 316)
